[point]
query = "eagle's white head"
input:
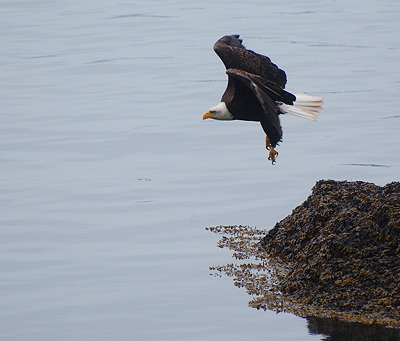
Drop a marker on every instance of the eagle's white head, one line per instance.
(219, 112)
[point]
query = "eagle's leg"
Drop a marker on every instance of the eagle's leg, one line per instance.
(267, 143)
(273, 154)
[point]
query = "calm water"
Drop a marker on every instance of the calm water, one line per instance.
(109, 176)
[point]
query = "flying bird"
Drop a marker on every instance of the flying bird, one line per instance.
(255, 92)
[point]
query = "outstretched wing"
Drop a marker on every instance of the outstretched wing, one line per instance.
(235, 56)
(269, 116)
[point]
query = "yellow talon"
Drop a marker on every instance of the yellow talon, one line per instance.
(273, 154)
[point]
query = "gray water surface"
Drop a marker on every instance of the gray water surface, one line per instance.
(109, 176)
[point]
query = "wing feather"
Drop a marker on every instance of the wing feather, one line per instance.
(235, 56)
(269, 117)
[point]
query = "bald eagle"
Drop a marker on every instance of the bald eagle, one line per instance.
(255, 92)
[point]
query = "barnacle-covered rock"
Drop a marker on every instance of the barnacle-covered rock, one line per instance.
(337, 255)
(341, 248)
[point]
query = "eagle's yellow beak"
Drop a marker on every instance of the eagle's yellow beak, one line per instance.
(208, 115)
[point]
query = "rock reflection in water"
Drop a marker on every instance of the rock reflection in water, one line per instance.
(337, 330)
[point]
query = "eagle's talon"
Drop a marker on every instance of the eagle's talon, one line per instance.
(273, 154)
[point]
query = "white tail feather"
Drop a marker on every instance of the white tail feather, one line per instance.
(306, 106)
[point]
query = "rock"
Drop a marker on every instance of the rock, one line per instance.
(341, 251)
